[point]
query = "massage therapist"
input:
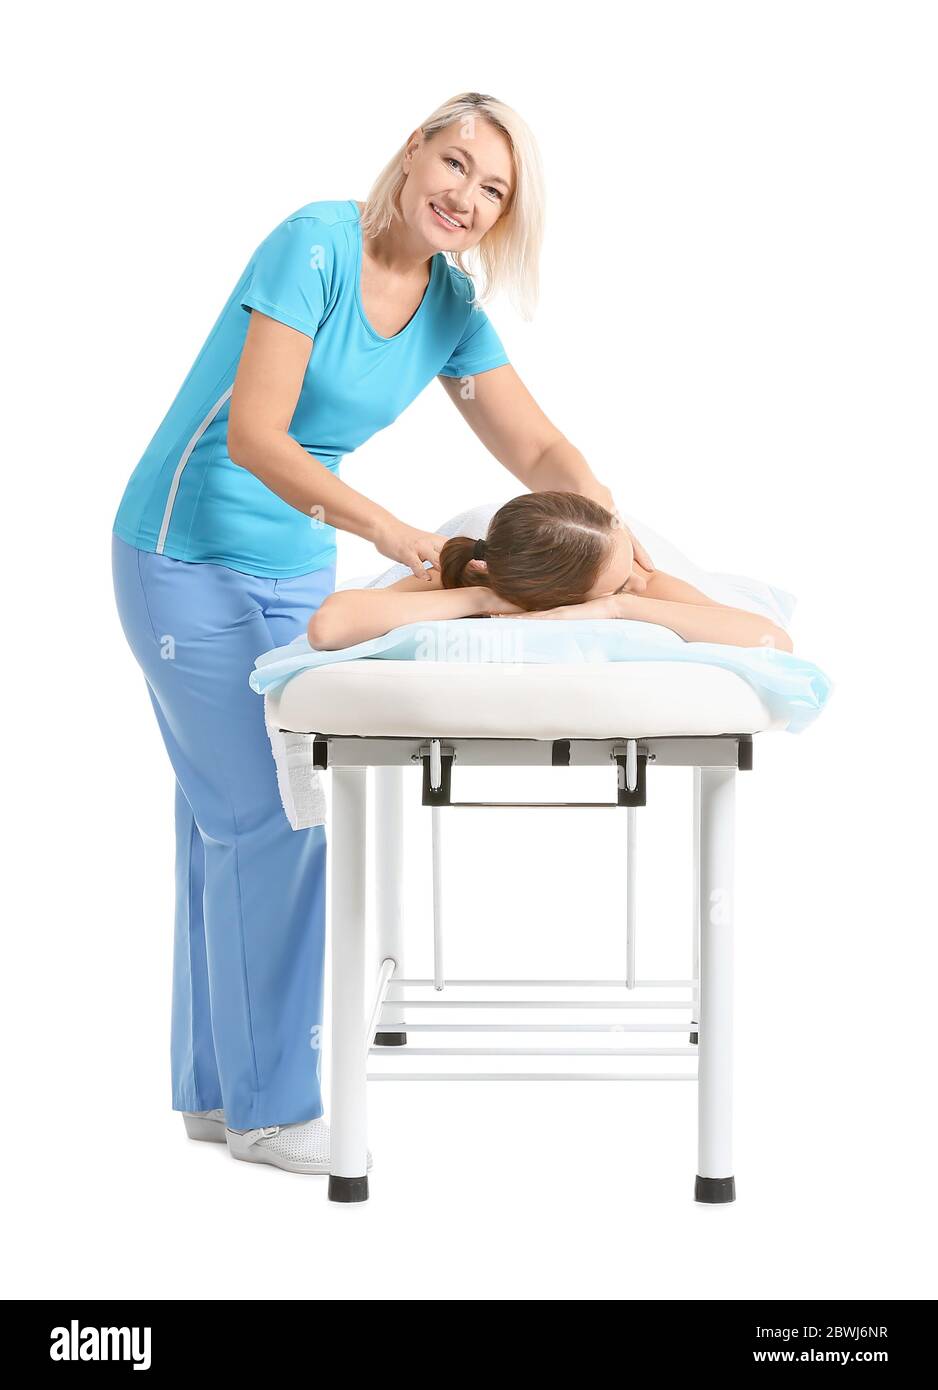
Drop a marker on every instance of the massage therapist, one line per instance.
(224, 546)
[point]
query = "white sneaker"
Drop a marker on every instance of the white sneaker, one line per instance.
(300, 1148)
(205, 1124)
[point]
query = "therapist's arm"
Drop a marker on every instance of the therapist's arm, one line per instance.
(266, 389)
(502, 413)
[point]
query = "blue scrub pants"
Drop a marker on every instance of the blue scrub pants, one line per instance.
(250, 891)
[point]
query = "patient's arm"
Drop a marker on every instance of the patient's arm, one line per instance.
(356, 615)
(682, 608)
(705, 621)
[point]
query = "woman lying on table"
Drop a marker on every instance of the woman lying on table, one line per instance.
(545, 555)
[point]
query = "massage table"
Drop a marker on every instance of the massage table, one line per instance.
(442, 716)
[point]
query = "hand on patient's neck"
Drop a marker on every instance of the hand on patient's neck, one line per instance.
(638, 579)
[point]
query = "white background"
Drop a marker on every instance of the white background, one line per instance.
(737, 327)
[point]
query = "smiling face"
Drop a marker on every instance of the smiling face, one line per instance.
(617, 570)
(457, 178)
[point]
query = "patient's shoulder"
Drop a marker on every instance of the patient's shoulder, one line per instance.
(668, 587)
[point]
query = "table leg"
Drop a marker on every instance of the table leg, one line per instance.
(695, 916)
(715, 1180)
(348, 1180)
(389, 869)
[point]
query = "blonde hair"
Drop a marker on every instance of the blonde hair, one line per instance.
(508, 254)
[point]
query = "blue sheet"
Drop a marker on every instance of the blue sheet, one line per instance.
(793, 689)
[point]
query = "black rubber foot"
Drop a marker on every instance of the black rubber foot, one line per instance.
(390, 1039)
(693, 1040)
(715, 1189)
(347, 1189)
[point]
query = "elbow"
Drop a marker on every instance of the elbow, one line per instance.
(777, 639)
(236, 446)
(324, 632)
(243, 445)
(321, 635)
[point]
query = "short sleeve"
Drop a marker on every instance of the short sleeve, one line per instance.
(289, 276)
(478, 350)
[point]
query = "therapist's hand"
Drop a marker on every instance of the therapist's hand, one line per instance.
(640, 553)
(409, 546)
(638, 579)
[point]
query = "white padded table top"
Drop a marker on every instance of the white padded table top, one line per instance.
(371, 697)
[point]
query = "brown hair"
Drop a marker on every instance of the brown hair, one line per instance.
(542, 550)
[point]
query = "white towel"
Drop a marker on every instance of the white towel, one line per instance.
(301, 790)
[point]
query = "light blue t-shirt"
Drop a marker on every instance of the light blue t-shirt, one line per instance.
(187, 499)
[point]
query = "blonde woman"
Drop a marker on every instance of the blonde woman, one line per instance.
(224, 542)
(547, 554)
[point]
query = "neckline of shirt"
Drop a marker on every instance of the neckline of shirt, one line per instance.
(437, 256)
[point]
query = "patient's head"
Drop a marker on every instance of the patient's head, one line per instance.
(544, 550)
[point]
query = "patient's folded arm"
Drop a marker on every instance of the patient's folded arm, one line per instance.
(700, 622)
(350, 616)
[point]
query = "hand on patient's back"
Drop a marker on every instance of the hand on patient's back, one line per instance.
(409, 546)
(638, 579)
(640, 554)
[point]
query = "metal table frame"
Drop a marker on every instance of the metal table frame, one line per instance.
(360, 1028)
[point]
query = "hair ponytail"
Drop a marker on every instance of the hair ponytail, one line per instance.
(455, 569)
